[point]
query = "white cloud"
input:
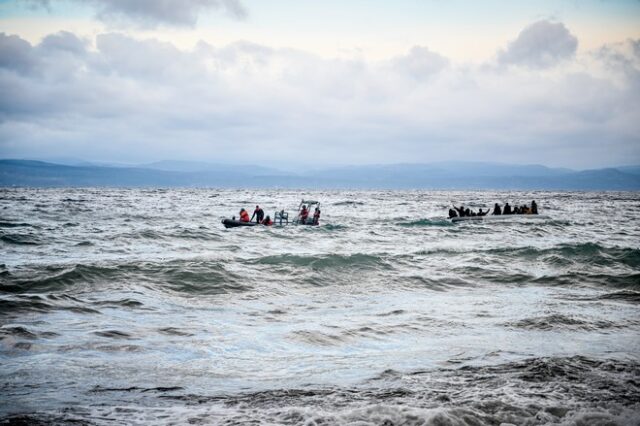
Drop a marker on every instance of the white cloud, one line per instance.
(127, 99)
(151, 13)
(540, 45)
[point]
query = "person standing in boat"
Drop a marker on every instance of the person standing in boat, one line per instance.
(316, 216)
(534, 207)
(259, 214)
(304, 214)
(496, 209)
(244, 216)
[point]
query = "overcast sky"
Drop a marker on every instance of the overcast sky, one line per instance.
(321, 83)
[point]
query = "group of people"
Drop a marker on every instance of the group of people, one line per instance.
(258, 213)
(304, 216)
(497, 210)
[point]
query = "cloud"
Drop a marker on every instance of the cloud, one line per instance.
(121, 98)
(420, 62)
(542, 44)
(151, 13)
(16, 53)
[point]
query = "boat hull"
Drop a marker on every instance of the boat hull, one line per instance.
(501, 218)
(230, 223)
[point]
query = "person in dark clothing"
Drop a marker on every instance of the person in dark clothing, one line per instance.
(259, 214)
(452, 213)
(507, 209)
(460, 210)
(516, 210)
(534, 207)
(497, 210)
(468, 212)
(481, 213)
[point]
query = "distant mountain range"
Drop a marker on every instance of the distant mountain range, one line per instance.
(444, 175)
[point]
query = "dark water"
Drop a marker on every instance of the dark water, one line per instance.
(137, 307)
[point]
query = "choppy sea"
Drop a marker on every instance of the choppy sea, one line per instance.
(137, 307)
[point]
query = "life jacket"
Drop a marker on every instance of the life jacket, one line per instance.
(244, 216)
(304, 213)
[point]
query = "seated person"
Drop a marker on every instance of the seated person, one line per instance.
(507, 209)
(244, 216)
(452, 213)
(497, 210)
(481, 213)
(267, 221)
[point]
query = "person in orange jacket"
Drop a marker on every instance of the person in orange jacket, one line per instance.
(244, 216)
(267, 221)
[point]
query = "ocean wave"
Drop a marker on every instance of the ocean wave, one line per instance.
(20, 239)
(4, 224)
(348, 203)
(573, 390)
(29, 304)
(426, 222)
(328, 261)
(187, 277)
(558, 322)
(583, 253)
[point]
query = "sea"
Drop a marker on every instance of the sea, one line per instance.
(137, 307)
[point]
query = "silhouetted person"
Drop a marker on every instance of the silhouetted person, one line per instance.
(496, 209)
(534, 207)
(316, 216)
(452, 213)
(259, 214)
(460, 210)
(507, 209)
(481, 213)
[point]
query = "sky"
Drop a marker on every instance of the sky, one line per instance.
(308, 83)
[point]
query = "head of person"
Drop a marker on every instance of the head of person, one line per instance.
(304, 207)
(257, 207)
(241, 210)
(268, 218)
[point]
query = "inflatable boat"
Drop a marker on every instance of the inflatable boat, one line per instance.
(281, 218)
(231, 223)
(501, 218)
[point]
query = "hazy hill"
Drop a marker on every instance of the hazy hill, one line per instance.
(451, 175)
